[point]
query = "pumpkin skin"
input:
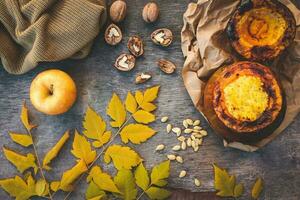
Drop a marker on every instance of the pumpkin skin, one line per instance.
(236, 128)
(260, 30)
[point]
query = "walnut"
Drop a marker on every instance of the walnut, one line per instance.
(125, 62)
(118, 11)
(113, 34)
(142, 78)
(136, 46)
(150, 12)
(163, 37)
(166, 66)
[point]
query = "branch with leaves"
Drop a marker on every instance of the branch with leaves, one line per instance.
(137, 107)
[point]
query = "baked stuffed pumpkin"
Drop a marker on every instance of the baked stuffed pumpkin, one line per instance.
(260, 30)
(244, 102)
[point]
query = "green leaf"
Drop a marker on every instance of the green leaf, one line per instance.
(157, 193)
(238, 190)
(159, 173)
(95, 128)
(55, 150)
(116, 111)
(142, 177)
(136, 133)
(257, 188)
(125, 183)
(21, 162)
(93, 192)
(224, 183)
(143, 116)
(21, 139)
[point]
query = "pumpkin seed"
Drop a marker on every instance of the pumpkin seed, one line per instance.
(176, 148)
(203, 132)
(181, 138)
(197, 182)
(189, 122)
(196, 123)
(183, 145)
(171, 157)
(189, 142)
(188, 130)
(164, 119)
(179, 159)
(160, 147)
(185, 124)
(182, 174)
(176, 130)
(169, 128)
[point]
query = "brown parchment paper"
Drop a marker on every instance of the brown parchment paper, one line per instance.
(206, 48)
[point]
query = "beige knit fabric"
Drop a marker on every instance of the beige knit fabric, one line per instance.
(33, 31)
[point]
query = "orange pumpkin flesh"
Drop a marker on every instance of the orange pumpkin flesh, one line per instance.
(260, 30)
(244, 102)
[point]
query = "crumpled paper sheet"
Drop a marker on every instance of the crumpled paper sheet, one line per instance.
(206, 48)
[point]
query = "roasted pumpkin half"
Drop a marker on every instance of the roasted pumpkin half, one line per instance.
(244, 101)
(260, 30)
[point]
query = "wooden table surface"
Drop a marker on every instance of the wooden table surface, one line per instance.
(278, 163)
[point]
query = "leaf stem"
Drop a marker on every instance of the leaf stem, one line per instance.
(38, 161)
(101, 152)
(143, 192)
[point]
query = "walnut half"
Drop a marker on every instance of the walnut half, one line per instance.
(166, 66)
(136, 46)
(125, 62)
(163, 37)
(113, 34)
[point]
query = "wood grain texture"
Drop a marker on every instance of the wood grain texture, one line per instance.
(96, 78)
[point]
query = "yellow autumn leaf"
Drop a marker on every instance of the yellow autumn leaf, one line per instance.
(151, 94)
(143, 116)
(159, 173)
(130, 103)
(142, 177)
(116, 111)
(69, 177)
(122, 157)
(55, 150)
(224, 183)
(145, 100)
(25, 119)
(257, 188)
(82, 149)
(93, 192)
(21, 162)
(41, 187)
(238, 190)
(102, 180)
(136, 133)
(126, 184)
(21, 139)
(18, 188)
(95, 128)
(157, 193)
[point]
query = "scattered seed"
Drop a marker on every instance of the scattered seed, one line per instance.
(160, 147)
(179, 159)
(171, 157)
(178, 134)
(193, 137)
(193, 144)
(176, 148)
(196, 123)
(197, 128)
(164, 119)
(188, 130)
(189, 142)
(181, 138)
(189, 122)
(176, 130)
(169, 127)
(182, 174)
(203, 132)
(200, 141)
(183, 145)
(185, 124)
(197, 135)
(196, 148)
(197, 182)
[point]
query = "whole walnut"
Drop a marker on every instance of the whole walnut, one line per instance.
(118, 11)
(150, 12)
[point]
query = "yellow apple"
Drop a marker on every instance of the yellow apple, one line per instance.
(53, 92)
